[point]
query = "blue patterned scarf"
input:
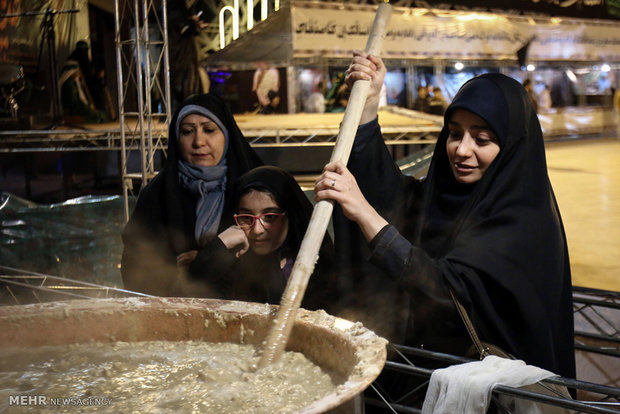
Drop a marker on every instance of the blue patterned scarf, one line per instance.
(208, 183)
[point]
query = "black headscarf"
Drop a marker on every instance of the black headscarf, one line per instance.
(287, 194)
(80, 54)
(499, 243)
(259, 277)
(240, 157)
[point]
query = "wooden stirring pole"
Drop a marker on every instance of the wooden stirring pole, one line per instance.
(309, 249)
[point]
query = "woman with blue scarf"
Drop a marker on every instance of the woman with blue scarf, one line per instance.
(185, 214)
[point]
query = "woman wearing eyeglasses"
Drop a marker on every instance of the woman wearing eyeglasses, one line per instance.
(172, 239)
(273, 213)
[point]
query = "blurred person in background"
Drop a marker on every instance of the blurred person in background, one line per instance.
(316, 101)
(266, 79)
(529, 87)
(437, 104)
(78, 82)
(421, 103)
(273, 107)
(187, 76)
(544, 99)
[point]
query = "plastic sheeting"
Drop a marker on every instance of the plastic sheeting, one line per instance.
(78, 239)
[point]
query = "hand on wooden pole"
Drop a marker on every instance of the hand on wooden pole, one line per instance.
(309, 249)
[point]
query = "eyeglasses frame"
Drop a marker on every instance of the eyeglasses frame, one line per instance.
(258, 217)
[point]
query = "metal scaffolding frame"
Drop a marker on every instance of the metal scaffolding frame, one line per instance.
(98, 137)
(141, 37)
(143, 74)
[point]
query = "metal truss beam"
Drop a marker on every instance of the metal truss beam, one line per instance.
(141, 35)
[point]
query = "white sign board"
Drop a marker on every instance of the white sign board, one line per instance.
(336, 31)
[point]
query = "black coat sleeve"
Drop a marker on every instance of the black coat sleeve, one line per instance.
(432, 320)
(397, 268)
(377, 175)
(147, 265)
(366, 291)
(212, 267)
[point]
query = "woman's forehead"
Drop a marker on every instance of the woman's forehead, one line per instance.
(258, 196)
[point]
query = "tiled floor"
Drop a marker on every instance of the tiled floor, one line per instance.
(585, 175)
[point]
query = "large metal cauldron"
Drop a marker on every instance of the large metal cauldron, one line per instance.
(334, 344)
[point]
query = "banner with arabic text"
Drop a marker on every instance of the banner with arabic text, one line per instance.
(336, 31)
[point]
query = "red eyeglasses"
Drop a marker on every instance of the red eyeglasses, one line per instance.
(247, 221)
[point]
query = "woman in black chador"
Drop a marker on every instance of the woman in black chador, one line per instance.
(185, 213)
(273, 212)
(484, 224)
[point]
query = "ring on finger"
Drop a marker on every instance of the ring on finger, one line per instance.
(333, 183)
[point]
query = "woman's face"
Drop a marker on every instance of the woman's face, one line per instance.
(201, 141)
(472, 146)
(268, 237)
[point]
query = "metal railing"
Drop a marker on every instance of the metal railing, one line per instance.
(597, 315)
(600, 398)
